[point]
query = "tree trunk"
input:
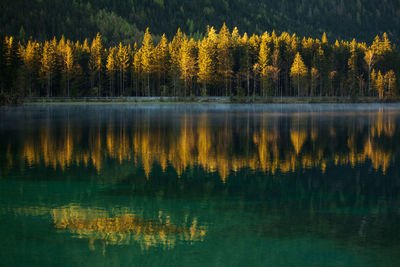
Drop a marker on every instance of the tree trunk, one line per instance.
(148, 84)
(298, 85)
(248, 84)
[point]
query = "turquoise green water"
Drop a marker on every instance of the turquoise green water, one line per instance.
(200, 185)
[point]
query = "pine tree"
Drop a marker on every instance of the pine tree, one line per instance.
(321, 62)
(369, 60)
(245, 60)
(288, 52)
(123, 65)
(386, 45)
(380, 85)
(235, 36)
(30, 56)
(264, 59)
(373, 88)
(353, 68)
(68, 65)
(324, 38)
(147, 50)
(225, 56)
(111, 67)
(188, 63)
(11, 59)
(298, 73)
(163, 58)
(96, 61)
(390, 80)
(134, 77)
(275, 69)
(314, 77)
(175, 52)
(254, 43)
(48, 65)
(206, 60)
(137, 65)
(332, 76)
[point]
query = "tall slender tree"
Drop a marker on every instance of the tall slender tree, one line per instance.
(188, 62)
(96, 62)
(48, 65)
(298, 73)
(225, 57)
(353, 69)
(111, 67)
(122, 65)
(147, 57)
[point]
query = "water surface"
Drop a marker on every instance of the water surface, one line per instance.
(200, 185)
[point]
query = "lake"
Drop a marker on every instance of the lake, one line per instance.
(200, 185)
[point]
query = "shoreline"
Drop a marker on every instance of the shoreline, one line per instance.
(219, 100)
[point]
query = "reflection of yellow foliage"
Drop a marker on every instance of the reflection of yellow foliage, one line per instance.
(379, 158)
(124, 229)
(298, 138)
(197, 142)
(314, 134)
(383, 123)
(204, 143)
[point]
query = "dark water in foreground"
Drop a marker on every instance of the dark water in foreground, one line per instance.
(200, 185)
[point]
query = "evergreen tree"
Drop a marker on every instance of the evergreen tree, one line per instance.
(147, 50)
(390, 80)
(264, 59)
(298, 73)
(123, 65)
(11, 64)
(30, 56)
(373, 88)
(162, 60)
(275, 69)
(353, 68)
(68, 65)
(48, 65)
(254, 43)
(369, 60)
(188, 63)
(175, 52)
(332, 76)
(314, 78)
(380, 85)
(225, 57)
(206, 62)
(245, 60)
(111, 67)
(137, 65)
(96, 62)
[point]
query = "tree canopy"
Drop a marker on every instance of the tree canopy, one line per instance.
(222, 63)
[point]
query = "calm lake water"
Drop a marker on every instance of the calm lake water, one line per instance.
(200, 185)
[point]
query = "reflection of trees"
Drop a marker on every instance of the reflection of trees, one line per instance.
(119, 226)
(298, 135)
(271, 188)
(124, 228)
(221, 143)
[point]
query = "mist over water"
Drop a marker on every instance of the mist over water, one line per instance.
(200, 184)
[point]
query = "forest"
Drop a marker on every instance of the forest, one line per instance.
(222, 63)
(125, 21)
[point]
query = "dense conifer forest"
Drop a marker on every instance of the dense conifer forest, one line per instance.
(125, 20)
(223, 63)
